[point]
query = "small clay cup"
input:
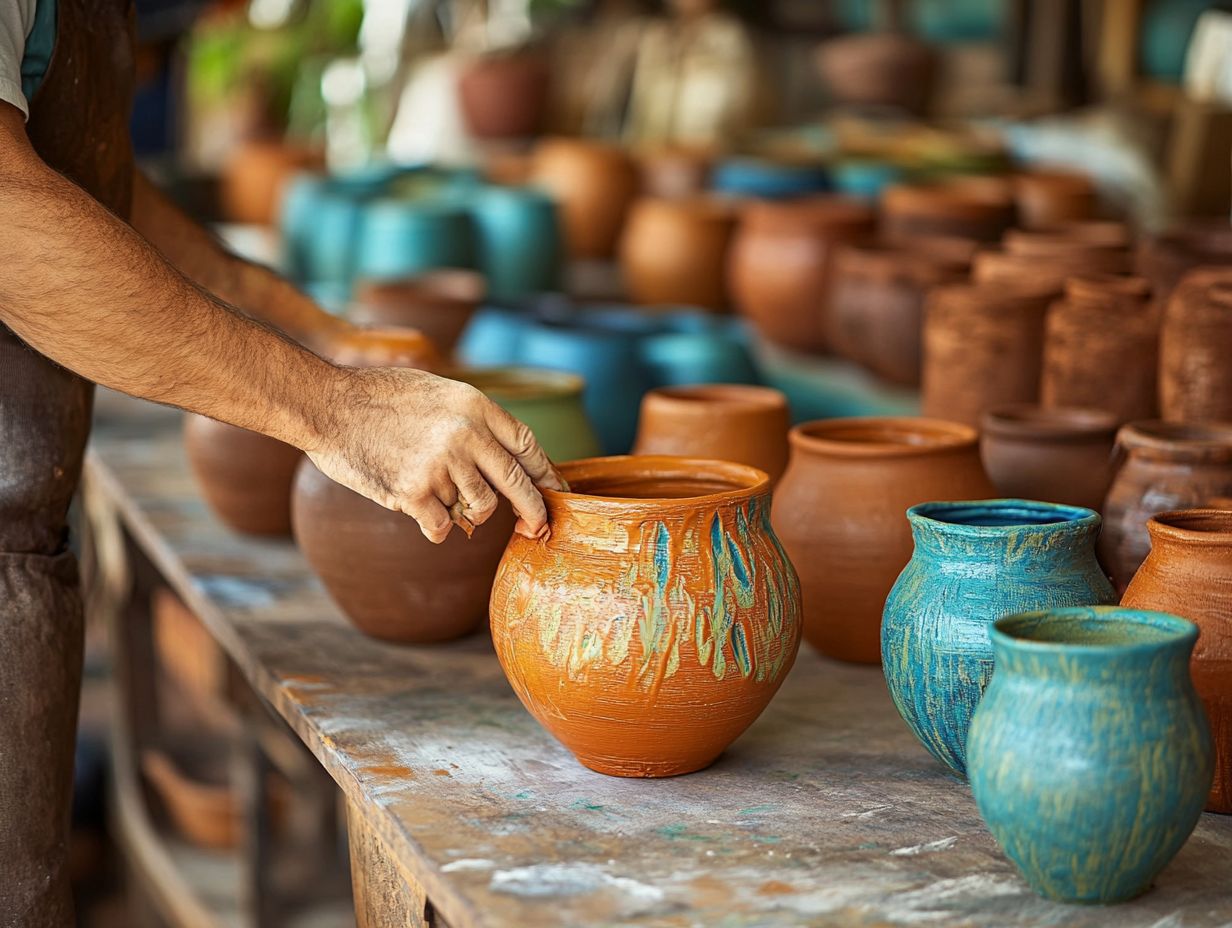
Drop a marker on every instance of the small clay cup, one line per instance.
(1047, 198)
(439, 304)
(1058, 455)
(673, 252)
(1195, 373)
(727, 422)
(977, 210)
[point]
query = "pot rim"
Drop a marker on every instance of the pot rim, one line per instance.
(745, 482)
(1184, 440)
(1175, 629)
(1045, 518)
(812, 436)
(519, 381)
(1205, 526)
(706, 396)
(1057, 423)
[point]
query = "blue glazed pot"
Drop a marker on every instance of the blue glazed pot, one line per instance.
(332, 237)
(518, 243)
(399, 238)
(771, 180)
(682, 358)
(864, 179)
(493, 338)
(1090, 755)
(296, 219)
(973, 563)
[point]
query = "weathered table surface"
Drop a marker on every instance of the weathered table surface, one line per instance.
(826, 812)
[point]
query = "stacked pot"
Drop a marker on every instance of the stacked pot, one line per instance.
(1195, 376)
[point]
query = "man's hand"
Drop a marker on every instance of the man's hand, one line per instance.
(436, 449)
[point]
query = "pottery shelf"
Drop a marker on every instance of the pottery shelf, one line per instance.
(463, 811)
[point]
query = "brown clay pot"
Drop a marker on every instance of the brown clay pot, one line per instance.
(983, 345)
(726, 422)
(879, 69)
(1165, 258)
(382, 346)
(1046, 270)
(1101, 347)
(840, 511)
(1108, 233)
(876, 305)
(1046, 198)
(781, 264)
(674, 252)
(439, 304)
(594, 185)
(1162, 466)
(1058, 455)
(244, 476)
(186, 651)
(971, 209)
(1189, 573)
(1196, 349)
(253, 177)
(674, 172)
(504, 95)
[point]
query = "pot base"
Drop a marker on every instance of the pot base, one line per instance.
(641, 769)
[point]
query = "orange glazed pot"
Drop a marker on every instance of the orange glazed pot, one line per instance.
(439, 303)
(841, 513)
(658, 619)
(1189, 573)
(728, 422)
(1195, 372)
(674, 252)
(594, 184)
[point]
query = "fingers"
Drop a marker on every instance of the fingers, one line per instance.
(432, 516)
(510, 479)
(476, 501)
(520, 442)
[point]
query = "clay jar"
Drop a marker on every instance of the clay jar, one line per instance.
(1046, 198)
(244, 476)
(439, 304)
(728, 422)
(253, 177)
(381, 346)
(1101, 347)
(1060, 455)
(594, 185)
(982, 348)
(839, 511)
(658, 619)
(1163, 466)
(954, 208)
(1196, 349)
(781, 264)
(1189, 573)
(876, 305)
(504, 95)
(674, 252)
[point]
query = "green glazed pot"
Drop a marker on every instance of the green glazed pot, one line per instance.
(550, 402)
(1090, 756)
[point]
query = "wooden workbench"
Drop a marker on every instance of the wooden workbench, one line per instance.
(463, 811)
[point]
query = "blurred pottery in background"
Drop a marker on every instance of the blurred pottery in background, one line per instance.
(714, 350)
(726, 422)
(594, 184)
(975, 210)
(674, 252)
(1047, 198)
(1165, 258)
(1045, 271)
(245, 477)
(975, 561)
(504, 94)
(1189, 573)
(518, 241)
(382, 346)
(1058, 454)
(1163, 466)
(398, 238)
(882, 69)
(1196, 349)
(669, 173)
(767, 179)
(668, 546)
(781, 264)
(253, 178)
(494, 336)
(1089, 754)
(866, 178)
(839, 512)
(438, 303)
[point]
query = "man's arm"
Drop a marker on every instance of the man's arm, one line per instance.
(84, 289)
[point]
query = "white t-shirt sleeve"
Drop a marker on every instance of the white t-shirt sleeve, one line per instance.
(16, 20)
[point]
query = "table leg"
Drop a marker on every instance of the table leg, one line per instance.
(386, 896)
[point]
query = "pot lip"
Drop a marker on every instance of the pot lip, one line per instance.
(746, 482)
(821, 436)
(1043, 518)
(1171, 439)
(705, 397)
(1121, 288)
(1176, 630)
(1207, 526)
(519, 381)
(1058, 423)
(1004, 291)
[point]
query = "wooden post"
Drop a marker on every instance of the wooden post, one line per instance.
(386, 896)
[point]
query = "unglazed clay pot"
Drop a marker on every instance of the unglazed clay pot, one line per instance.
(781, 264)
(658, 619)
(504, 95)
(594, 185)
(983, 345)
(252, 179)
(439, 304)
(1046, 271)
(1101, 347)
(876, 306)
(1163, 465)
(839, 512)
(674, 252)
(965, 210)
(1195, 373)
(1058, 454)
(1164, 259)
(674, 172)
(1089, 756)
(1189, 573)
(244, 476)
(382, 346)
(973, 563)
(1047, 198)
(728, 422)
(879, 69)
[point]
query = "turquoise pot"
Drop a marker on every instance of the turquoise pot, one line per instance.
(865, 179)
(518, 244)
(682, 358)
(297, 219)
(493, 337)
(771, 180)
(1090, 756)
(973, 563)
(332, 237)
(398, 238)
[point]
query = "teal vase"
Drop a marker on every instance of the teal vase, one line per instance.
(518, 242)
(398, 238)
(1090, 756)
(974, 562)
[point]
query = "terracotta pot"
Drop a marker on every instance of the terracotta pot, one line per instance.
(504, 95)
(1106, 233)
(674, 172)
(964, 209)
(876, 306)
(879, 69)
(982, 348)
(244, 476)
(727, 422)
(439, 304)
(1164, 259)
(1046, 270)
(1058, 455)
(1163, 465)
(1189, 573)
(253, 177)
(636, 633)
(1046, 198)
(594, 185)
(1196, 349)
(840, 512)
(674, 252)
(1068, 244)
(382, 346)
(1101, 347)
(781, 264)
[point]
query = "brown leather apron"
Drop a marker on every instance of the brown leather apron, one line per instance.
(79, 125)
